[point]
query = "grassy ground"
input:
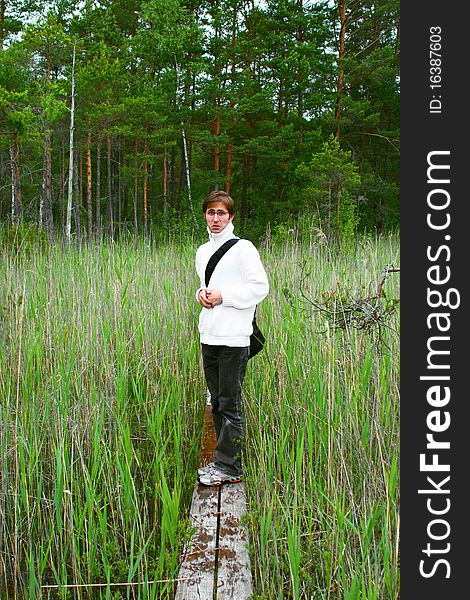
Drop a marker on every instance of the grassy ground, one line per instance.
(102, 397)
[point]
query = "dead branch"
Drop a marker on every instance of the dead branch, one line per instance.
(343, 310)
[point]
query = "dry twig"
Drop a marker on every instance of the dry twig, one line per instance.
(343, 310)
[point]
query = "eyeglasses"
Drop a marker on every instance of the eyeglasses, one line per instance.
(220, 213)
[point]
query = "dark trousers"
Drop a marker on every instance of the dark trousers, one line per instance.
(224, 369)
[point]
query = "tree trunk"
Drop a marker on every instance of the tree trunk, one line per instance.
(77, 204)
(63, 188)
(45, 203)
(172, 177)
(188, 179)
(68, 224)
(118, 197)
(89, 187)
(341, 56)
(216, 133)
(228, 177)
(144, 187)
(300, 92)
(80, 178)
(98, 187)
(338, 213)
(179, 184)
(242, 207)
(136, 186)
(165, 178)
(16, 204)
(280, 99)
(109, 188)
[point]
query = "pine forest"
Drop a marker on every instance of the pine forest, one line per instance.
(119, 116)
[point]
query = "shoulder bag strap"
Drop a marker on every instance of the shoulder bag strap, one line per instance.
(214, 259)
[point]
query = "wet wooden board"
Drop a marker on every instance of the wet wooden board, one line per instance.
(218, 548)
(203, 560)
(198, 560)
(234, 568)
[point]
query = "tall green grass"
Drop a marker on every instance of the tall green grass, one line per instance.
(101, 405)
(100, 420)
(323, 433)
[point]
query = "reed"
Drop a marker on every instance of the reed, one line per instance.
(102, 400)
(322, 440)
(100, 420)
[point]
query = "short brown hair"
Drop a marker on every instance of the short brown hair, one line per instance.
(216, 196)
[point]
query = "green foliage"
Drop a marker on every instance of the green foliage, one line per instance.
(15, 110)
(332, 181)
(54, 104)
(255, 87)
(23, 239)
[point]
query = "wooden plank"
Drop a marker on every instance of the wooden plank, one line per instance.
(234, 569)
(197, 568)
(202, 560)
(208, 441)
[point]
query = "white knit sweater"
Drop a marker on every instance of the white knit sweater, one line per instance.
(242, 281)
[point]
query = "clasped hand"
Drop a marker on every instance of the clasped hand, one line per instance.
(210, 298)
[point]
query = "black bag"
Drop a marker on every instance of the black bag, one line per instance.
(257, 339)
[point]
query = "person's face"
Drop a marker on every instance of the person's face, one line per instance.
(217, 217)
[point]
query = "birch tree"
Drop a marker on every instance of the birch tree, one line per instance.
(68, 222)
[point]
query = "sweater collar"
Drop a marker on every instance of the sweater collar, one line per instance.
(218, 239)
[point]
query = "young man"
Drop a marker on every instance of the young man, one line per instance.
(237, 285)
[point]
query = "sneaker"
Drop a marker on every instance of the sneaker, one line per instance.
(206, 469)
(214, 478)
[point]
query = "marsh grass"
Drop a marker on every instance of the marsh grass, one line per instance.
(100, 419)
(102, 400)
(323, 435)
